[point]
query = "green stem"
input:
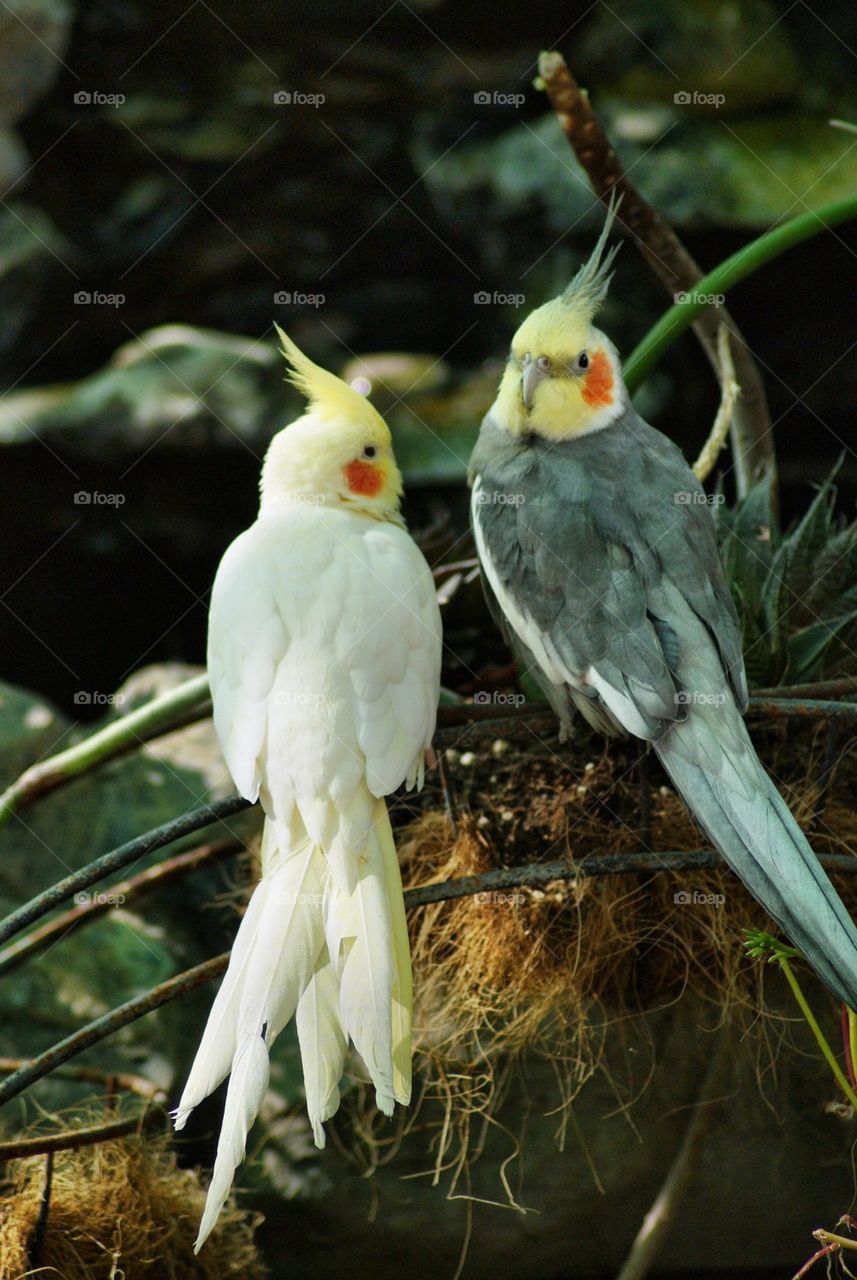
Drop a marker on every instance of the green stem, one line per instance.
(816, 1030)
(743, 263)
(125, 733)
(828, 1237)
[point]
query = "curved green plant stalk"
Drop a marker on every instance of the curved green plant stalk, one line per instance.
(759, 943)
(744, 262)
(158, 716)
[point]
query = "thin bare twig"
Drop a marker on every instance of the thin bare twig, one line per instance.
(111, 1080)
(104, 1026)
(27, 1073)
(662, 1215)
(821, 689)
(86, 912)
(455, 566)
(71, 1139)
(117, 859)
(530, 875)
(673, 266)
(533, 874)
(448, 717)
(37, 1242)
(729, 391)
(181, 706)
(826, 1252)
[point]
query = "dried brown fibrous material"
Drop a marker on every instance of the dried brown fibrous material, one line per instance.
(121, 1208)
(557, 970)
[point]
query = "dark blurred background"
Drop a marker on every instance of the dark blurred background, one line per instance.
(177, 176)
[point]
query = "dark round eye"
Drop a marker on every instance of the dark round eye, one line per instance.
(582, 361)
(369, 451)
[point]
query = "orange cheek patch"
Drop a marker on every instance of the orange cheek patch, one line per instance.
(361, 477)
(598, 384)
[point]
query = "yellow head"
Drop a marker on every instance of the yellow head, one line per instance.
(339, 453)
(563, 376)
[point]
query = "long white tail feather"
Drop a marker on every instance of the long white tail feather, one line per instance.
(217, 1048)
(216, 1051)
(402, 979)
(359, 941)
(323, 1042)
(244, 1097)
(289, 938)
(272, 959)
(338, 961)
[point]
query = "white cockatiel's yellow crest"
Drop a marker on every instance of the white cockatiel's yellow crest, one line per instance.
(339, 451)
(563, 376)
(329, 397)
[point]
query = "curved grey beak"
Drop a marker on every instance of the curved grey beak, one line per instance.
(530, 379)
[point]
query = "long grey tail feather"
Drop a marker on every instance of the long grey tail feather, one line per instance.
(752, 828)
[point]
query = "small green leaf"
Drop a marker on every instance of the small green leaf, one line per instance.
(807, 647)
(795, 565)
(758, 944)
(750, 539)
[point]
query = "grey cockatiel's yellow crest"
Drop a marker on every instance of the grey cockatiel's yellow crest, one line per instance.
(600, 564)
(555, 324)
(589, 287)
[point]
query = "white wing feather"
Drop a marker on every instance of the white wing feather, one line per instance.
(246, 639)
(395, 669)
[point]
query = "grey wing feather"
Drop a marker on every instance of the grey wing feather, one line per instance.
(587, 532)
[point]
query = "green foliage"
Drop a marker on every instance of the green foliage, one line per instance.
(764, 946)
(672, 324)
(761, 945)
(795, 591)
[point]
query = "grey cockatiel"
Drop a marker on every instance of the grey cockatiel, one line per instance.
(599, 562)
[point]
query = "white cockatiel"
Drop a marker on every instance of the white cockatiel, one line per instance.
(324, 652)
